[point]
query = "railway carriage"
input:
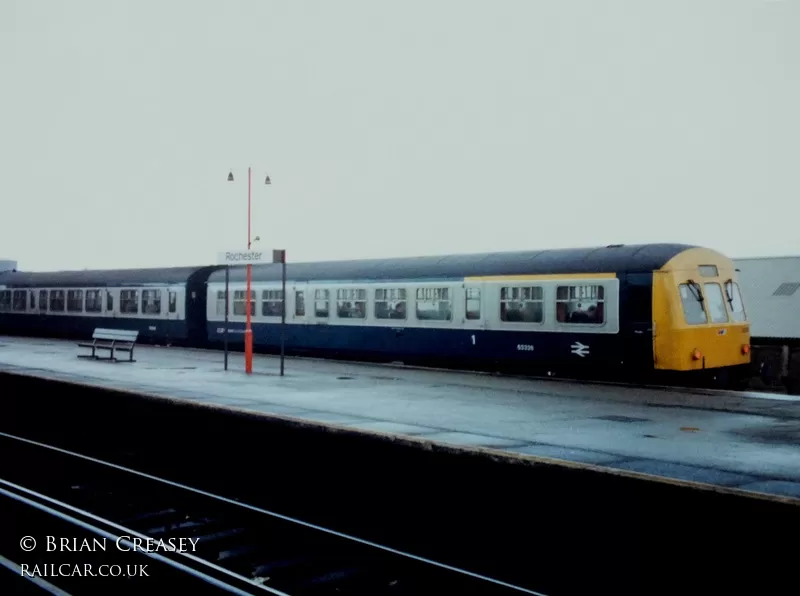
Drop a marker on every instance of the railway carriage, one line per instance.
(659, 310)
(163, 305)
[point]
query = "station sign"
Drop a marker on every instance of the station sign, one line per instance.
(244, 257)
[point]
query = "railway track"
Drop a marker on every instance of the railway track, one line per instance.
(227, 546)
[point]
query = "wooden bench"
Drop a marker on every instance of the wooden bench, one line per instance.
(114, 340)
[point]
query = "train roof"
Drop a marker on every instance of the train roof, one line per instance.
(100, 278)
(638, 258)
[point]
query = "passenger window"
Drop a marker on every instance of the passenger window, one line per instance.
(716, 303)
(173, 301)
(128, 301)
(321, 303)
(94, 303)
(151, 302)
(42, 300)
(735, 300)
(238, 302)
(220, 302)
(351, 304)
(473, 303)
(299, 304)
(390, 303)
(19, 300)
(522, 304)
(272, 303)
(5, 300)
(433, 304)
(57, 301)
(75, 300)
(692, 301)
(583, 304)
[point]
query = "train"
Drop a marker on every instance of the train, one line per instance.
(666, 313)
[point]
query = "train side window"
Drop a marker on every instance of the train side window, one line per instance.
(434, 304)
(74, 300)
(173, 300)
(151, 302)
(522, 304)
(299, 303)
(220, 302)
(33, 300)
(109, 301)
(390, 303)
(322, 303)
(716, 303)
(5, 300)
(42, 300)
(584, 304)
(272, 303)
(94, 302)
(57, 301)
(129, 301)
(692, 303)
(20, 300)
(735, 300)
(472, 303)
(238, 302)
(351, 303)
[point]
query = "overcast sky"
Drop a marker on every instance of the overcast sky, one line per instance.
(394, 129)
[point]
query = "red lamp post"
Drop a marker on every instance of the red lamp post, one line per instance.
(248, 331)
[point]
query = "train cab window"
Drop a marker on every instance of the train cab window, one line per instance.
(434, 304)
(692, 302)
(220, 302)
(5, 300)
(94, 302)
(351, 303)
(238, 302)
(42, 300)
(472, 303)
(129, 301)
(20, 300)
(299, 304)
(707, 271)
(109, 301)
(582, 304)
(57, 301)
(735, 300)
(390, 303)
(321, 303)
(173, 301)
(716, 303)
(33, 300)
(74, 300)
(151, 302)
(522, 304)
(272, 303)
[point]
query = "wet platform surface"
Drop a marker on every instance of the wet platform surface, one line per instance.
(749, 441)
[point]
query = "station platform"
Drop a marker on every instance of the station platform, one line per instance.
(747, 441)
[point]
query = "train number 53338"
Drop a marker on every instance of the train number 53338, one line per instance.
(525, 347)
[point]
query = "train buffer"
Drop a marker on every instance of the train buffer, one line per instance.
(113, 340)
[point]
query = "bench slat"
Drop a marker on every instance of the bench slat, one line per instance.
(115, 335)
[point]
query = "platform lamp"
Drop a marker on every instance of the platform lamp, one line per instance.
(248, 331)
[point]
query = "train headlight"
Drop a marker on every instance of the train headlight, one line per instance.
(746, 349)
(696, 355)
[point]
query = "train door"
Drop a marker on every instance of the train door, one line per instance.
(299, 311)
(636, 324)
(474, 318)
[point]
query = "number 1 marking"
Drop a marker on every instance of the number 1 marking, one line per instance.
(473, 340)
